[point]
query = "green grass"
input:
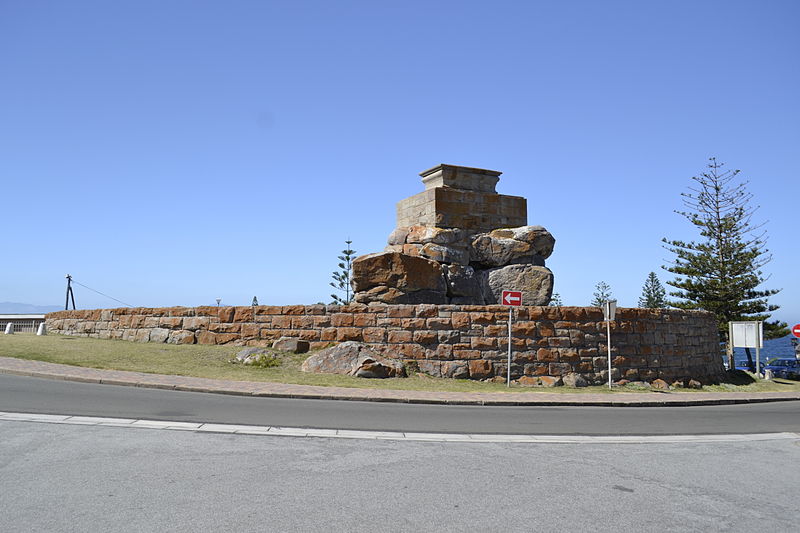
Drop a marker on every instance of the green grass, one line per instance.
(214, 362)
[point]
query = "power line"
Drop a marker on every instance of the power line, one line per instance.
(100, 293)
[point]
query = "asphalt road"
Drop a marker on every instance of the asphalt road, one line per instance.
(35, 395)
(57, 477)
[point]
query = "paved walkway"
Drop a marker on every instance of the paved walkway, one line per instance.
(9, 365)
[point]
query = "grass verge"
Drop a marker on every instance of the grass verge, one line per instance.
(213, 362)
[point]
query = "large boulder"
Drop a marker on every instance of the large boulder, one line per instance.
(541, 240)
(353, 359)
(535, 282)
(424, 264)
(291, 344)
(444, 245)
(392, 277)
(464, 285)
(523, 245)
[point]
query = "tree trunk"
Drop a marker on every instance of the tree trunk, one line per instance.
(750, 364)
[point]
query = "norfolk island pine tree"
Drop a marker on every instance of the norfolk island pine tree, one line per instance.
(722, 273)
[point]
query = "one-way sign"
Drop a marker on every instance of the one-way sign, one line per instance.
(512, 298)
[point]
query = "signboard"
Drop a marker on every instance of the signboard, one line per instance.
(512, 298)
(747, 334)
(609, 310)
(796, 330)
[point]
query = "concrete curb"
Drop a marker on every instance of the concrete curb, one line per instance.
(477, 438)
(40, 369)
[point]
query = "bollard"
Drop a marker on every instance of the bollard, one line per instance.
(42, 330)
(9, 329)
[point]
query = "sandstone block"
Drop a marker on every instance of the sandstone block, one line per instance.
(391, 277)
(455, 369)
(225, 338)
(159, 335)
(170, 322)
(572, 379)
(432, 368)
(434, 235)
(479, 369)
(559, 369)
(289, 344)
(448, 254)
(250, 330)
(194, 323)
(206, 337)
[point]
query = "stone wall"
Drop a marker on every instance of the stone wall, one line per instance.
(441, 340)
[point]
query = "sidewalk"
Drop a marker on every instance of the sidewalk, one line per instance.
(21, 367)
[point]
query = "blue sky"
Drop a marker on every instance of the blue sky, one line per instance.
(172, 152)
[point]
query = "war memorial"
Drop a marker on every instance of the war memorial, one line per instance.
(430, 301)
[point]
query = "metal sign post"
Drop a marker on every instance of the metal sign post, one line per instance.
(508, 377)
(609, 312)
(511, 299)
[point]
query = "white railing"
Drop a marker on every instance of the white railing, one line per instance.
(25, 325)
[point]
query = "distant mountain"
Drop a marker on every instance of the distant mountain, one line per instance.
(16, 307)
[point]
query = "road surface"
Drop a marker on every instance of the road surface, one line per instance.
(36, 395)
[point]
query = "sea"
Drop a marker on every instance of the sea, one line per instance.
(781, 348)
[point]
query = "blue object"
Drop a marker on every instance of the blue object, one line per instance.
(784, 368)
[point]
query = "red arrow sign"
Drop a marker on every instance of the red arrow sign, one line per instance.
(796, 330)
(512, 298)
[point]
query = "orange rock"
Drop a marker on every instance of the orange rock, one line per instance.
(659, 384)
(550, 381)
(479, 369)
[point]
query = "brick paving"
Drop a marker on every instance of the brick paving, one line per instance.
(21, 367)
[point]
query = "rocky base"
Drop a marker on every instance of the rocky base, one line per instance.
(453, 266)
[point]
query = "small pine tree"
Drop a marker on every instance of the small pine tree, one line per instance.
(653, 294)
(555, 300)
(342, 277)
(601, 295)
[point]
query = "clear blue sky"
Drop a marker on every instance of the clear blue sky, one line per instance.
(172, 152)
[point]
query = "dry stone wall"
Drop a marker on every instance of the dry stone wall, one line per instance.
(460, 341)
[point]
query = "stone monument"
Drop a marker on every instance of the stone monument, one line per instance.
(458, 242)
